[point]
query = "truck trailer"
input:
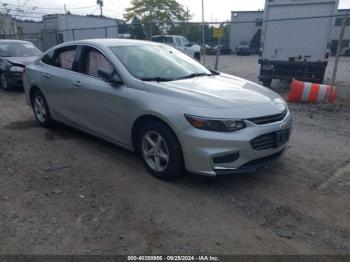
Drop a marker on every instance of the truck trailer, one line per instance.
(295, 39)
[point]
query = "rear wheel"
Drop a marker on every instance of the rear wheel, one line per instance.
(160, 151)
(267, 82)
(197, 56)
(4, 82)
(41, 109)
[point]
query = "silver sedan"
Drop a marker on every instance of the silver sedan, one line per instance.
(155, 100)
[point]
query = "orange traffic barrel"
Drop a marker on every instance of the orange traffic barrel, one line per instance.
(310, 92)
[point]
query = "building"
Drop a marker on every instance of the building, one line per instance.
(61, 28)
(241, 31)
(244, 32)
(338, 22)
(8, 28)
(29, 30)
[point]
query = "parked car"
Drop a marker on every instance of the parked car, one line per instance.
(14, 56)
(207, 48)
(243, 49)
(224, 50)
(155, 100)
(211, 50)
(181, 43)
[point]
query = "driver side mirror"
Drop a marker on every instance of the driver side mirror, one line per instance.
(189, 44)
(110, 77)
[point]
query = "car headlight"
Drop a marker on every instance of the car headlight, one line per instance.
(218, 125)
(280, 103)
(17, 69)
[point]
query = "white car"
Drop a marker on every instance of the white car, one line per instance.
(181, 43)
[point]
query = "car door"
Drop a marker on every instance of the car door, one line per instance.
(57, 81)
(179, 43)
(186, 45)
(100, 104)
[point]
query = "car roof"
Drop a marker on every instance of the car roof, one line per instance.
(9, 41)
(165, 35)
(106, 42)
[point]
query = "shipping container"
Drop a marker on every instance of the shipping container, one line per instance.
(295, 39)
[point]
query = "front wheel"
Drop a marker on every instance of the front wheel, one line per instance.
(4, 82)
(160, 151)
(41, 109)
(197, 56)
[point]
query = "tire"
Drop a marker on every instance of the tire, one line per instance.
(41, 109)
(197, 56)
(155, 136)
(267, 82)
(3, 82)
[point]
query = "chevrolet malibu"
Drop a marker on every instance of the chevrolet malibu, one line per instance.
(153, 99)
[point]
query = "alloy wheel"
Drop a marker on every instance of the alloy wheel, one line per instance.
(155, 151)
(40, 109)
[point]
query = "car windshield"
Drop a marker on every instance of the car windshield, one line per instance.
(18, 50)
(158, 62)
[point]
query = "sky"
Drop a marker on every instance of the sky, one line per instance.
(215, 10)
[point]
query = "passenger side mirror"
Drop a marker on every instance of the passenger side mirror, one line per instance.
(109, 76)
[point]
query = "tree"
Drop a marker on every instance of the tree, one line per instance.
(163, 13)
(136, 29)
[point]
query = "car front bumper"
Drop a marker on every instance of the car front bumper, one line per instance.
(202, 148)
(14, 79)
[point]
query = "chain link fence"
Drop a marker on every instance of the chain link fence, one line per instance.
(243, 46)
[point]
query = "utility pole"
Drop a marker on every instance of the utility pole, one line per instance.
(339, 49)
(203, 33)
(65, 9)
(100, 2)
(188, 15)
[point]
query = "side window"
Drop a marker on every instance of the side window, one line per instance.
(47, 59)
(65, 59)
(95, 61)
(178, 41)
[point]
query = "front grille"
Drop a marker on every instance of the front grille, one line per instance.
(268, 119)
(271, 140)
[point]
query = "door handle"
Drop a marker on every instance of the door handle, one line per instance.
(77, 83)
(46, 75)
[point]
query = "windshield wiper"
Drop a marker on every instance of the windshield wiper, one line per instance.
(194, 75)
(157, 79)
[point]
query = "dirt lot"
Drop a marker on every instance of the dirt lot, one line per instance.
(65, 192)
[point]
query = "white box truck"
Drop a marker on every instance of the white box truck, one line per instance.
(294, 47)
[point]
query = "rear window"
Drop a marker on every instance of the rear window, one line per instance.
(162, 39)
(62, 57)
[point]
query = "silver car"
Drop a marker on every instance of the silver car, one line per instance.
(157, 101)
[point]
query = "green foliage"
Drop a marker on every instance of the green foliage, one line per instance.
(164, 13)
(136, 29)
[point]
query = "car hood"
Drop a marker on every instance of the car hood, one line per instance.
(21, 60)
(222, 92)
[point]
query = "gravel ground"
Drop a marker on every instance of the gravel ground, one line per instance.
(65, 192)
